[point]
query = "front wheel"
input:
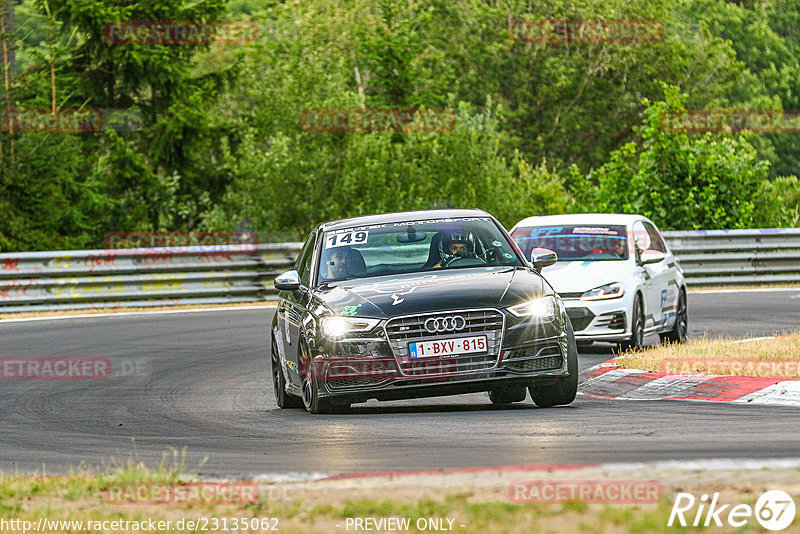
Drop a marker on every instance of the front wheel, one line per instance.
(636, 340)
(563, 391)
(681, 326)
(311, 382)
(282, 398)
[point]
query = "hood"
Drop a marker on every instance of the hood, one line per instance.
(580, 276)
(407, 294)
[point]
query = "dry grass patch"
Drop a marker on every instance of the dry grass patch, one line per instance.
(777, 357)
(79, 498)
(466, 502)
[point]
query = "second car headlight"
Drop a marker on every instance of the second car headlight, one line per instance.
(542, 308)
(608, 291)
(336, 326)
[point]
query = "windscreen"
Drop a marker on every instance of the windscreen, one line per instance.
(576, 242)
(407, 247)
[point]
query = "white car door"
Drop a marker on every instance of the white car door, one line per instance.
(665, 273)
(656, 275)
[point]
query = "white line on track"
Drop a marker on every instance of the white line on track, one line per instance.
(752, 339)
(125, 314)
(750, 290)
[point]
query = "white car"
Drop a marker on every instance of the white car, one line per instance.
(615, 274)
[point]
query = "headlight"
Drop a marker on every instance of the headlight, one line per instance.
(608, 291)
(340, 326)
(542, 308)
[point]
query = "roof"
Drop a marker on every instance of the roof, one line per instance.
(403, 216)
(580, 218)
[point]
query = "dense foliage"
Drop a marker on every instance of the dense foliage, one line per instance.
(217, 142)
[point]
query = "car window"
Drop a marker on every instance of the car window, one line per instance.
(415, 246)
(656, 243)
(574, 242)
(303, 265)
(641, 236)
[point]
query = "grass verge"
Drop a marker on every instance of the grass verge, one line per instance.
(777, 357)
(80, 498)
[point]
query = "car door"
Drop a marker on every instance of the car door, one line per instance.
(657, 275)
(293, 309)
(665, 273)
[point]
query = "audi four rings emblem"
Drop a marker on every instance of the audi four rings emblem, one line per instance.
(445, 324)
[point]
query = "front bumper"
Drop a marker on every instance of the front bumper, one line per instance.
(380, 376)
(599, 320)
(379, 365)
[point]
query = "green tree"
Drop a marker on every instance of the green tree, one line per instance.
(680, 180)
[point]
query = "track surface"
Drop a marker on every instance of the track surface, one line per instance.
(208, 389)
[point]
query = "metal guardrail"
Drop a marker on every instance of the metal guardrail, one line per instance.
(733, 257)
(144, 277)
(81, 279)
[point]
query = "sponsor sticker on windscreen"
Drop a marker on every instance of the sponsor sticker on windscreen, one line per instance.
(447, 347)
(593, 230)
(347, 238)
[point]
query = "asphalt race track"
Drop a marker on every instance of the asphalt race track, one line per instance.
(203, 383)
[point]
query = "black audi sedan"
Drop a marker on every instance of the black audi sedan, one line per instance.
(419, 304)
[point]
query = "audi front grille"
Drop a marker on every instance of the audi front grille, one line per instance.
(445, 325)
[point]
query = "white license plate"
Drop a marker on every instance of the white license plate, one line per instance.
(447, 347)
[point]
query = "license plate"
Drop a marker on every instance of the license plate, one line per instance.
(447, 347)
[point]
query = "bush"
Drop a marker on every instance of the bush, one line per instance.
(680, 181)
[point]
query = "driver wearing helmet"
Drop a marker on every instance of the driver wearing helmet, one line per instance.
(451, 244)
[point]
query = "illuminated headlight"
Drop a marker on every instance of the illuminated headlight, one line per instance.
(542, 308)
(608, 291)
(341, 326)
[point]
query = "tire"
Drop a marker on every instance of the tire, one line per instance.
(507, 394)
(312, 402)
(681, 326)
(284, 399)
(563, 391)
(636, 340)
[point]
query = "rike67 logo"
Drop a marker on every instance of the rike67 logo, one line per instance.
(774, 510)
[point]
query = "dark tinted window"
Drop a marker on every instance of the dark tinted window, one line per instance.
(572, 242)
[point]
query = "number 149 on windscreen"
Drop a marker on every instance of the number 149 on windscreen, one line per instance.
(346, 238)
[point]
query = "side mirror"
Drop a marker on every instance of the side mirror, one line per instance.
(288, 281)
(543, 257)
(651, 256)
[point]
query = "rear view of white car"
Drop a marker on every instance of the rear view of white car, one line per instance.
(615, 274)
